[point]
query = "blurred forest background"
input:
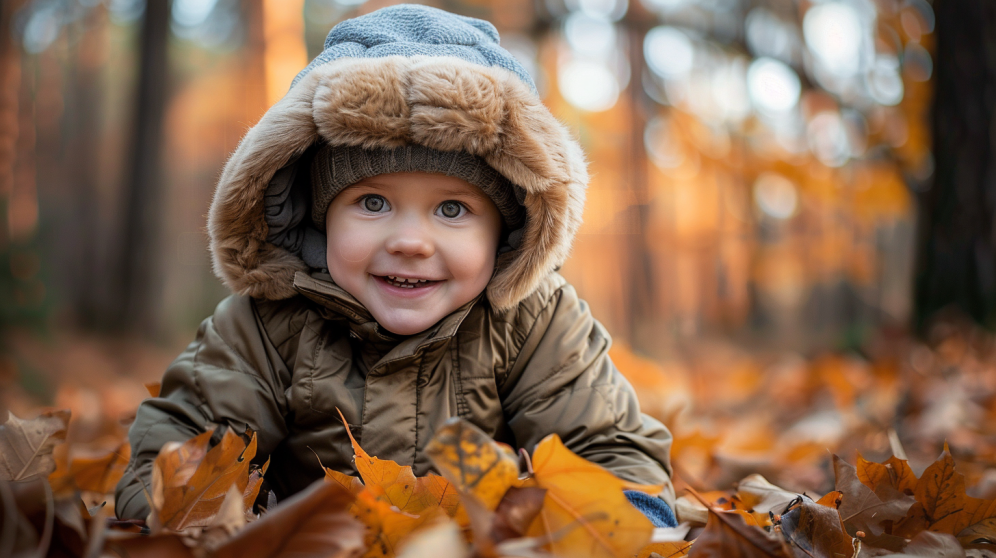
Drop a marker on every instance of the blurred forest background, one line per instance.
(791, 189)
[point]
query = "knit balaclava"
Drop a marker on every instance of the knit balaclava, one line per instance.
(333, 169)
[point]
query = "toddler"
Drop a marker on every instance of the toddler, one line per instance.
(391, 230)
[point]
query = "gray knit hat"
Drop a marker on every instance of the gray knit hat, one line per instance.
(333, 169)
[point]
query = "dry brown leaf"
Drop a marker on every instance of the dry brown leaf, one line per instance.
(895, 473)
(516, 512)
(26, 445)
(941, 503)
(863, 510)
(162, 545)
(313, 523)
(931, 545)
(983, 532)
(189, 482)
(253, 485)
(99, 473)
(727, 535)
(473, 462)
(817, 531)
(582, 494)
(666, 550)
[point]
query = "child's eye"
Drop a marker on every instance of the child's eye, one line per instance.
(451, 209)
(374, 203)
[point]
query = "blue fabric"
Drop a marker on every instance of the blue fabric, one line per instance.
(656, 510)
(411, 30)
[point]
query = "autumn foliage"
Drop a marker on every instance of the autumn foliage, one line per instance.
(485, 500)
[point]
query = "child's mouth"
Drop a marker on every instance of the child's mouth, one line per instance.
(406, 283)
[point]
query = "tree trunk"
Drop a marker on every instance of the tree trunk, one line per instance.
(956, 247)
(137, 299)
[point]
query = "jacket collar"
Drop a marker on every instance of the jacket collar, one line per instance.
(319, 288)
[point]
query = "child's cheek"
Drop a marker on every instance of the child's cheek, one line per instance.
(473, 254)
(350, 244)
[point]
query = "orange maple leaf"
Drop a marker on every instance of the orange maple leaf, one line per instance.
(941, 502)
(398, 483)
(190, 482)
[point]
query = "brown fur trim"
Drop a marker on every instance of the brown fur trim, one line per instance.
(441, 102)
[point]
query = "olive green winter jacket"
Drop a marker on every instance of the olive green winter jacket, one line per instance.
(283, 368)
(289, 347)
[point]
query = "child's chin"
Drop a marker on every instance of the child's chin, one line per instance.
(401, 325)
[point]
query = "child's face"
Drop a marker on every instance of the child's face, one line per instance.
(440, 231)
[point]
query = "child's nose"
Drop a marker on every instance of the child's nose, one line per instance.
(411, 240)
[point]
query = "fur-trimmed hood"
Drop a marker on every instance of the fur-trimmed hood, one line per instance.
(433, 79)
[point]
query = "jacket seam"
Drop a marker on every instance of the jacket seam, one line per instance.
(418, 403)
(532, 327)
(463, 408)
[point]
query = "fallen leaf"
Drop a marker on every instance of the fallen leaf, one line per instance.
(666, 550)
(726, 535)
(312, 523)
(231, 517)
(863, 510)
(443, 540)
(894, 472)
(690, 510)
(931, 545)
(941, 502)
(817, 530)
(349, 482)
(583, 494)
(472, 461)
(101, 473)
(189, 482)
(983, 532)
(831, 499)
(399, 484)
(162, 545)
(516, 512)
(759, 495)
(26, 445)
(386, 526)
(253, 485)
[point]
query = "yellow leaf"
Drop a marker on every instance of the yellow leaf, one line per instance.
(473, 462)
(588, 503)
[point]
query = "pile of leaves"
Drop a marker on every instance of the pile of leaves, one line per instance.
(740, 419)
(204, 495)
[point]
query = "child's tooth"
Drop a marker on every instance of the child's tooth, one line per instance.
(391, 277)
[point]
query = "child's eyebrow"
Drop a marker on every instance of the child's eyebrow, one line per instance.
(471, 192)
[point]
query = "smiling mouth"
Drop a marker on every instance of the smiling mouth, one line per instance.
(406, 283)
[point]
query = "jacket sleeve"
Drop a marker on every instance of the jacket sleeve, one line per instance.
(230, 374)
(563, 382)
